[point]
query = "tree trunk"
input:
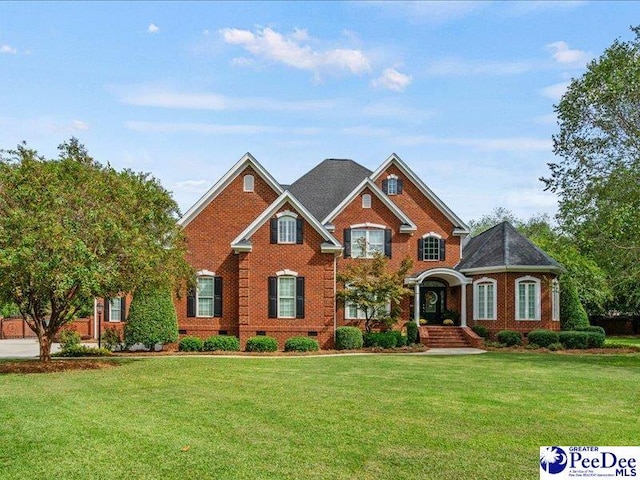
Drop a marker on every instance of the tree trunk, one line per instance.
(45, 348)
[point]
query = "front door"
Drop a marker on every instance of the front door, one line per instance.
(433, 301)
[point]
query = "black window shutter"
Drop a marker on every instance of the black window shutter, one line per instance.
(191, 303)
(385, 186)
(399, 183)
(107, 308)
(274, 230)
(300, 297)
(421, 249)
(347, 242)
(273, 297)
(299, 230)
(442, 249)
(123, 309)
(217, 296)
(387, 242)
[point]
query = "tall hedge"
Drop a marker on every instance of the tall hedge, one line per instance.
(152, 319)
(572, 313)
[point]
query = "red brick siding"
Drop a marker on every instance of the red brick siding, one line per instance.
(209, 237)
(506, 303)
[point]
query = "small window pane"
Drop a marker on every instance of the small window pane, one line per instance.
(205, 297)
(392, 186)
(366, 201)
(431, 248)
(115, 309)
(248, 183)
(286, 297)
(286, 230)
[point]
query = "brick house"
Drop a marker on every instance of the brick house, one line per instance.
(267, 254)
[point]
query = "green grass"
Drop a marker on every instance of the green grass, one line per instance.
(363, 417)
(623, 340)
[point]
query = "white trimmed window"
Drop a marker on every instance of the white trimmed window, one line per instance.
(365, 243)
(115, 309)
(249, 183)
(366, 201)
(555, 300)
(204, 297)
(431, 248)
(286, 297)
(287, 229)
(484, 299)
(528, 298)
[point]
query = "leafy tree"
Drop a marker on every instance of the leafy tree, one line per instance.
(370, 284)
(572, 313)
(497, 215)
(598, 175)
(152, 319)
(72, 229)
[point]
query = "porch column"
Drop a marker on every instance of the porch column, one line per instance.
(416, 304)
(463, 306)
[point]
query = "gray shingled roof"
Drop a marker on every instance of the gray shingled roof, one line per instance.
(322, 188)
(503, 246)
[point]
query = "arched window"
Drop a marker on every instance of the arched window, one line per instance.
(366, 201)
(392, 185)
(287, 229)
(249, 182)
(484, 299)
(431, 247)
(527, 298)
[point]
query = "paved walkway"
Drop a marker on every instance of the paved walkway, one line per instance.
(28, 348)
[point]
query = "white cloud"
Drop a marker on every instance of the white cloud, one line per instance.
(153, 28)
(392, 79)
(555, 91)
(567, 56)
(216, 129)
(457, 67)
(79, 125)
(535, 199)
(294, 50)
(8, 49)
(155, 97)
(192, 185)
(511, 144)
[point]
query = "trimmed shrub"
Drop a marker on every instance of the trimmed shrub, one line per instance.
(348, 338)
(152, 319)
(509, 338)
(190, 344)
(262, 343)
(591, 328)
(401, 340)
(84, 351)
(111, 339)
(543, 338)
(380, 339)
(572, 313)
(595, 340)
(572, 339)
(225, 343)
(69, 339)
(301, 344)
(554, 347)
(412, 333)
(481, 331)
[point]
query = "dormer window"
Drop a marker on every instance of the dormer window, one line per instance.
(366, 201)
(392, 185)
(249, 182)
(431, 247)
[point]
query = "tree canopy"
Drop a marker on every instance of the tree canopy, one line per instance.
(72, 229)
(597, 176)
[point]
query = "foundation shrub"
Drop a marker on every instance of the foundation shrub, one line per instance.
(348, 338)
(225, 343)
(542, 338)
(509, 338)
(190, 344)
(262, 343)
(301, 344)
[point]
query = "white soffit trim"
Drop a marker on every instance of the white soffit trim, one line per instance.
(461, 228)
(512, 268)
(284, 197)
(220, 185)
(408, 225)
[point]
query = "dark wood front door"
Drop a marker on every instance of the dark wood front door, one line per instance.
(433, 300)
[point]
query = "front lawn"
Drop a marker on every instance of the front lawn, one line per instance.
(623, 340)
(359, 417)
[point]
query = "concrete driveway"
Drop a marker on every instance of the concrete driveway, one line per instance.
(22, 348)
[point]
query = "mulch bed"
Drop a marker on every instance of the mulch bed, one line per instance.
(591, 351)
(36, 366)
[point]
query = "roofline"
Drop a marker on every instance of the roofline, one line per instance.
(220, 185)
(513, 268)
(367, 182)
(461, 227)
(239, 243)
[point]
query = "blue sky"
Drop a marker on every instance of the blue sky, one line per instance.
(462, 91)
